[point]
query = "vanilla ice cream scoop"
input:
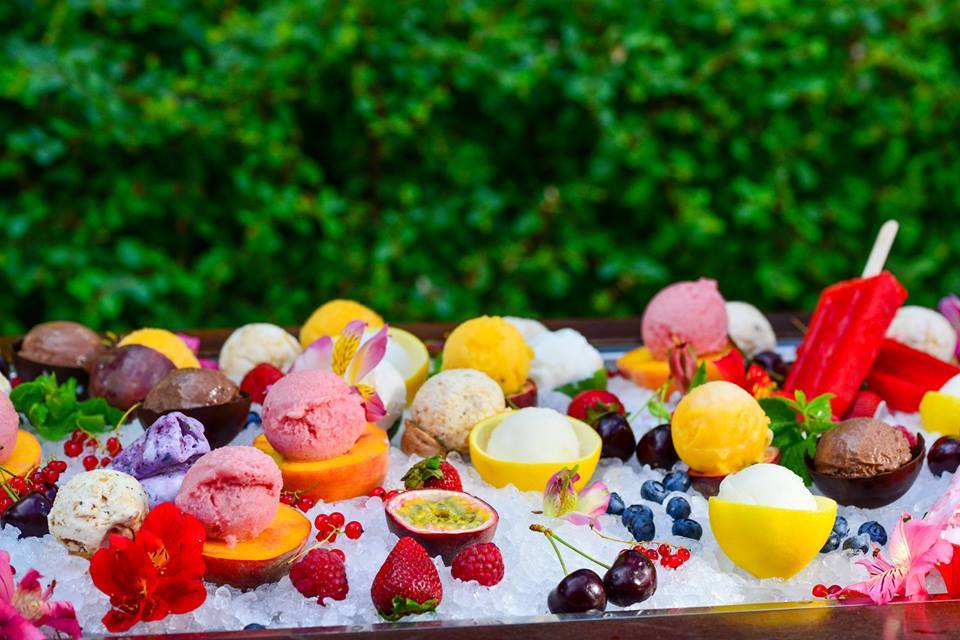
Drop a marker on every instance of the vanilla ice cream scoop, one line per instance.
(534, 435)
(256, 343)
(749, 329)
(561, 357)
(527, 327)
(93, 505)
(925, 330)
(952, 387)
(767, 485)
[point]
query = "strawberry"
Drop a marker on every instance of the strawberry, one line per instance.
(433, 473)
(259, 380)
(864, 405)
(589, 405)
(407, 583)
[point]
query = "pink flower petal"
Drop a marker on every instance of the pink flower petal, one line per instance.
(369, 356)
(373, 406)
(192, 342)
(559, 496)
(62, 617)
(207, 363)
(317, 355)
(14, 626)
(6, 578)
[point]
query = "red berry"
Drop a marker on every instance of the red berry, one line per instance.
(674, 562)
(5, 502)
(589, 405)
(481, 562)
(320, 574)
(18, 484)
(78, 436)
(36, 488)
(114, 446)
(90, 463)
(433, 473)
(105, 461)
(664, 550)
(390, 494)
(652, 554)
(683, 553)
(819, 591)
(834, 589)
(72, 449)
(329, 536)
(92, 443)
(321, 521)
(305, 503)
(258, 381)
(378, 492)
(288, 498)
(336, 519)
(353, 530)
(340, 554)
(50, 476)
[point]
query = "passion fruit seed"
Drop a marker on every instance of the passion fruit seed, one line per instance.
(452, 513)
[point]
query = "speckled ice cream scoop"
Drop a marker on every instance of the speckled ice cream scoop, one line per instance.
(93, 505)
(160, 457)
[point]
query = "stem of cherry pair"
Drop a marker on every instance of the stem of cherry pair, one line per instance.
(554, 538)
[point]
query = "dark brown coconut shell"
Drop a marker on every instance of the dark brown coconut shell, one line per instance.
(28, 370)
(221, 422)
(874, 491)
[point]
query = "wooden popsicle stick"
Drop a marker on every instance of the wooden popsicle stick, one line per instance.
(881, 248)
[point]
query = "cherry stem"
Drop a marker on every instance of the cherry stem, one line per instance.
(556, 550)
(551, 535)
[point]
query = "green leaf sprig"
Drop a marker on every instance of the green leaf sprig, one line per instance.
(54, 410)
(796, 425)
(597, 381)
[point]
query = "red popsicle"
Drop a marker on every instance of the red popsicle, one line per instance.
(902, 375)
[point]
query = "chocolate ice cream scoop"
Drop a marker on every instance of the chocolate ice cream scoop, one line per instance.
(191, 388)
(861, 448)
(61, 344)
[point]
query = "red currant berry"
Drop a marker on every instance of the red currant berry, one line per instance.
(354, 530)
(652, 554)
(674, 562)
(834, 589)
(105, 461)
(321, 521)
(336, 519)
(92, 443)
(819, 591)
(5, 502)
(90, 463)
(305, 503)
(288, 498)
(664, 550)
(72, 449)
(683, 553)
(36, 488)
(18, 484)
(50, 476)
(58, 465)
(78, 436)
(114, 446)
(390, 494)
(378, 492)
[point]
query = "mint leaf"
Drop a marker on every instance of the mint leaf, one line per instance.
(795, 425)
(597, 381)
(53, 410)
(778, 409)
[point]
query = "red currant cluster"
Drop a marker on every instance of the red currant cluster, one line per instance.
(80, 441)
(383, 494)
(822, 591)
(37, 481)
(668, 558)
(330, 525)
(297, 501)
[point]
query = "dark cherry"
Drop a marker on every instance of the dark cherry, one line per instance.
(617, 436)
(579, 592)
(631, 579)
(656, 448)
(51, 492)
(944, 456)
(29, 515)
(773, 364)
(4, 368)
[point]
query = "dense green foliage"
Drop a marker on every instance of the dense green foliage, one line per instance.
(203, 163)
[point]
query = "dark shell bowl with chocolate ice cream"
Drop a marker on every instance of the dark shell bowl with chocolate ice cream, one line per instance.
(65, 349)
(857, 469)
(205, 395)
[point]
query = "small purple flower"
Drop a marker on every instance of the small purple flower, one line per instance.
(561, 500)
(950, 308)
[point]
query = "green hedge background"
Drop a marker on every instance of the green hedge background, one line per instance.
(203, 163)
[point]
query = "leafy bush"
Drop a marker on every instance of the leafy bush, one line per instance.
(200, 163)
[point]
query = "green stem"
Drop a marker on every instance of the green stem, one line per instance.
(556, 550)
(124, 417)
(550, 534)
(631, 543)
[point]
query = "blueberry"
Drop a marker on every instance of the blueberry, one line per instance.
(615, 505)
(253, 626)
(687, 528)
(875, 531)
(678, 508)
(859, 543)
(840, 526)
(653, 491)
(677, 481)
(638, 520)
(253, 419)
(832, 543)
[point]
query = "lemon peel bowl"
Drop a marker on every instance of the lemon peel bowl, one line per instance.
(769, 542)
(409, 355)
(531, 476)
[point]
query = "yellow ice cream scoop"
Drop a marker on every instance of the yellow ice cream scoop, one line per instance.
(166, 342)
(770, 542)
(330, 318)
(718, 428)
(492, 345)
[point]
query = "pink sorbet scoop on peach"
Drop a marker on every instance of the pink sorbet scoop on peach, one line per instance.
(312, 415)
(9, 425)
(233, 491)
(691, 312)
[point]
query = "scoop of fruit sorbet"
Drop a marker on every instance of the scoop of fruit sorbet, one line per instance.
(691, 312)
(767, 485)
(534, 435)
(9, 425)
(233, 491)
(861, 448)
(492, 345)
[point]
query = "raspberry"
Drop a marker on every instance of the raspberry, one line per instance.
(320, 574)
(259, 380)
(481, 562)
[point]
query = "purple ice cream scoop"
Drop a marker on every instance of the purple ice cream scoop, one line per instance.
(160, 458)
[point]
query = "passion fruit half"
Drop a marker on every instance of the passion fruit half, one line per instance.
(443, 522)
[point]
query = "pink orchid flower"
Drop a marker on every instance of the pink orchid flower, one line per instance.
(350, 358)
(915, 548)
(561, 500)
(26, 608)
(950, 308)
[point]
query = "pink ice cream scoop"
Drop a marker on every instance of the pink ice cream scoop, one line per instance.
(233, 491)
(691, 312)
(9, 425)
(312, 415)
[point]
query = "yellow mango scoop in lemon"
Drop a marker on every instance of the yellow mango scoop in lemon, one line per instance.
(492, 345)
(330, 318)
(166, 342)
(718, 428)
(768, 523)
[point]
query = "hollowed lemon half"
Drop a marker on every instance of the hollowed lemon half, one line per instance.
(769, 542)
(409, 355)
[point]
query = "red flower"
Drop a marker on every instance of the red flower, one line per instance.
(157, 573)
(951, 573)
(753, 379)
